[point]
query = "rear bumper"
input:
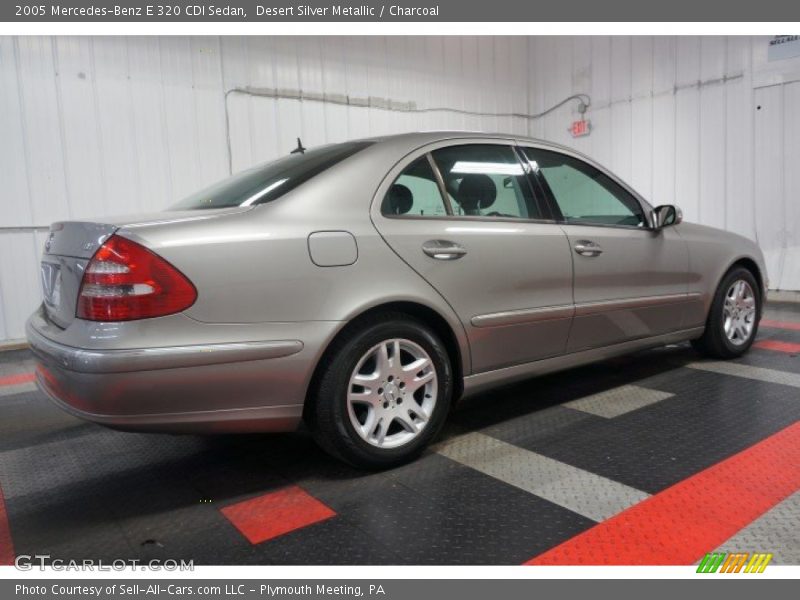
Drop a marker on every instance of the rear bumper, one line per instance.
(231, 387)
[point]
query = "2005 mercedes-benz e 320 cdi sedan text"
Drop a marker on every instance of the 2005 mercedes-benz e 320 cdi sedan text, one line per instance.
(363, 287)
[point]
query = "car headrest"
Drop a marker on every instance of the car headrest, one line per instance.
(476, 191)
(400, 199)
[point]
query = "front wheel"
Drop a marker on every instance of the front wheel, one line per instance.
(384, 392)
(733, 320)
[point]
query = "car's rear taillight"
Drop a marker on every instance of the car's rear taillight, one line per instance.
(125, 281)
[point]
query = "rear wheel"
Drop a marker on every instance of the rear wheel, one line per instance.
(384, 392)
(733, 320)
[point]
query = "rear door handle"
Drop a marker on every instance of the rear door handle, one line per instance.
(443, 250)
(587, 248)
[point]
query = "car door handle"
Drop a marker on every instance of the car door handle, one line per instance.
(587, 248)
(443, 250)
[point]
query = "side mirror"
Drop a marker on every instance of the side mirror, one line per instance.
(667, 215)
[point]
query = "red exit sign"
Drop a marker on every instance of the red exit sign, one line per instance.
(580, 128)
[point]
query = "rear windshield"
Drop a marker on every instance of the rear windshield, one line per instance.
(269, 181)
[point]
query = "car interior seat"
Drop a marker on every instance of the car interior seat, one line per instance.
(400, 199)
(476, 192)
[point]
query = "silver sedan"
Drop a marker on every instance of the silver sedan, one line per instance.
(364, 287)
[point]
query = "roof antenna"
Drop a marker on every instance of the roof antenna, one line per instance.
(300, 148)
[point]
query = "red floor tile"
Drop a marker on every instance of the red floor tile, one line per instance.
(778, 346)
(680, 524)
(6, 545)
(769, 323)
(17, 379)
(268, 516)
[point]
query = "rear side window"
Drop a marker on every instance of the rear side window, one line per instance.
(583, 193)
(269, 181)
(414, 193)
(486, 180)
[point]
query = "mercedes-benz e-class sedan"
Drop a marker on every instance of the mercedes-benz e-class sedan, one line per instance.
(364, 287)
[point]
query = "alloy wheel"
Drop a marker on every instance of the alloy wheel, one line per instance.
(392, 393)
(739, 312)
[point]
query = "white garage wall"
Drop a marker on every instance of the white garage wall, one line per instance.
(91, 127)
(678, 118)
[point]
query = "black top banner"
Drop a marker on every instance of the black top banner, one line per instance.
(410, 10)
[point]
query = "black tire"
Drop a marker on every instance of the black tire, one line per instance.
(329, 420)
(714, 342)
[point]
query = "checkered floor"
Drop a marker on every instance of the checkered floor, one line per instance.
(655, 458)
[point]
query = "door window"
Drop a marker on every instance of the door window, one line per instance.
(583, 193)
(486, 180)
(414, 193)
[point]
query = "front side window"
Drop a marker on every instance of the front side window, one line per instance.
(414, 193)
(486, 180)
(269, 181)
(583, 193)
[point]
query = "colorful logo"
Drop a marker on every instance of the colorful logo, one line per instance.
(738, 562)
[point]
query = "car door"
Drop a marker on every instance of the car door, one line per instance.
(630, 281)
(463, 216)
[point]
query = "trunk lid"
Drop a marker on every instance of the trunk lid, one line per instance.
(71, 244)
(67, 251)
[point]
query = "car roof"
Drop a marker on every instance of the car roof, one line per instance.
(408, 142)
(417, 138)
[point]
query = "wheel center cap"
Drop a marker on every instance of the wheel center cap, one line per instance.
(390, 392)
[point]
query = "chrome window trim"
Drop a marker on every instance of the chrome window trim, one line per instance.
(610, 225)
(473, 218)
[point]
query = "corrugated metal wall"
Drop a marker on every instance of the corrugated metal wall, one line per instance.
(99, 126)
(707, 123)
